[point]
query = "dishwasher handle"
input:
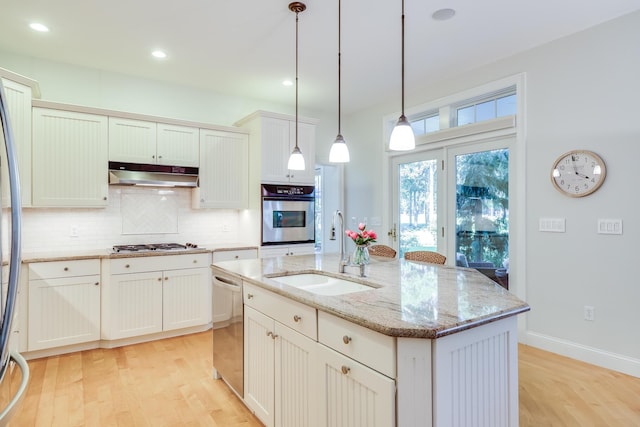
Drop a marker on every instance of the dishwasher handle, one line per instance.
(223, 282)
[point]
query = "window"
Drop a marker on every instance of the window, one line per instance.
(488, 107)
(425, 124)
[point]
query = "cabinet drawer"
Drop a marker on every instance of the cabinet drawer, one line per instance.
(295, 315)
(55, 269)
(159, 263)
(376, 350)
(235, 254)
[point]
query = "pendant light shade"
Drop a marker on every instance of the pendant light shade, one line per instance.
(402, 138)
(339, 152)
(296, 160)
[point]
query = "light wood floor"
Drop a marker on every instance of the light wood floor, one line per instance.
(168, 383)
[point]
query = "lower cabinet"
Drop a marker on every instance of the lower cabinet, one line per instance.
(294, 378)
(64, 303)
(284, 250)
(147, 295)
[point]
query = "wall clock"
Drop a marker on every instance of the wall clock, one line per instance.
(578, 173)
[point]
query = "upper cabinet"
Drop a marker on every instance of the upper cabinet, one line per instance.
(138, 141)
(69, 158)
(18, 97)
(224, 170)
(274, 136)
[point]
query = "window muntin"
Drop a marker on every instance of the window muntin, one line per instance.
(486, 108)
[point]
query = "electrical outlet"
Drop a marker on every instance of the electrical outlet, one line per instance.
(73, 231)
(589, 313)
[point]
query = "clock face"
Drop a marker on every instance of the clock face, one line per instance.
(578, 173)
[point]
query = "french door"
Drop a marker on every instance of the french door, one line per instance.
(455, 200)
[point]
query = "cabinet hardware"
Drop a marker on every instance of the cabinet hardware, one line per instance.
(249, 296)
(345, 369)
(272, 335)
(66, 269)
(297, 318)
(97, 283)
(269, 334)
(104, 198)
(237, 256)
(346, 339)
(159, 279)
(195, 261)
(127, 266)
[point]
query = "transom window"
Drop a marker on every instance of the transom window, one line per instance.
(487, 107)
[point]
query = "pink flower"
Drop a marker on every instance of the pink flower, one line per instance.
(373, 234)
(363, 237)
(361, 226)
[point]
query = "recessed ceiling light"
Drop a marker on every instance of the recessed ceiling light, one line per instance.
(159, 54)
(443, 14)
(36, 26)
(287, 82)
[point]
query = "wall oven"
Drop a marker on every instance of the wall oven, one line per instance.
(288, 214)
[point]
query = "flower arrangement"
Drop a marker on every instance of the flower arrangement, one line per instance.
(362, 236)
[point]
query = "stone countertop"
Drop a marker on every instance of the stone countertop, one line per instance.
(411, 299)
(29, 257)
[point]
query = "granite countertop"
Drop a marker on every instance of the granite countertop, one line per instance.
(29, 257)
(410, 299)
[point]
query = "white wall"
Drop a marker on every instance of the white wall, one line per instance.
(581, 92)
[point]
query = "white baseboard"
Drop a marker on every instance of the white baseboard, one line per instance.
(617, 362)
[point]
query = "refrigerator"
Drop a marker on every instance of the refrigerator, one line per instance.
(14, 371)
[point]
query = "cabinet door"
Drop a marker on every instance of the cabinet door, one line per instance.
(177, 145)
(234, 254)
(186, 298)
(275, 150)
(63, 311)
(19, 112)
(306, 143)
(70, 166)
(295, 379)
(224, 170)
(259, 365)
(135, 304)
(352, 394)
(132, 141)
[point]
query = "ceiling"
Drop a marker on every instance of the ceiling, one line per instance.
(248, 48)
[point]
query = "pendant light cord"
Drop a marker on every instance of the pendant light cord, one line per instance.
(297, 11)
(339, 65)
(402, 58)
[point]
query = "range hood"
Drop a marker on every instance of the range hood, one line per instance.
(152, 175)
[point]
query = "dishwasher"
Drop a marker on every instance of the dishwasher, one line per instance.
(228, 331)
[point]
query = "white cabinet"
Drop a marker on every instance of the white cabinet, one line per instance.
(233, 254)
(280, 382)
(287, 250)
(224, 170)
(139, 141)
(64, 303)
(69, 159)
(18, 99)
(274, 137)
(353, 389)
(154, 294)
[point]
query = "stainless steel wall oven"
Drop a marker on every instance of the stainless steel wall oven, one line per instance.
(288, 214)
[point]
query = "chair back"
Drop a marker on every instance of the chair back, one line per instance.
(382, 250)
(425, 256)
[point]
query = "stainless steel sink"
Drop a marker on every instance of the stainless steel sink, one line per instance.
(322, 284)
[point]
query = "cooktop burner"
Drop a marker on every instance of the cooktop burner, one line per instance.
(154, 247)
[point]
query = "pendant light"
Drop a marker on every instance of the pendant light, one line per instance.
(402, 138)
(296, 160)
(339, 152)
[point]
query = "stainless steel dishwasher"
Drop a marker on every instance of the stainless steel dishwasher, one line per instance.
(228, 331)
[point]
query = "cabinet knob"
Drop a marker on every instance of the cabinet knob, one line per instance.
(127, 266)
(66, 269)
(153, 156)
(159, 157)
(346, 339)
(345, 369)
(195, 261)
(237, 256)
(249, 296)
(297, 318)
(272, 335)
(159, 279)
(104, 198)
(97, 283)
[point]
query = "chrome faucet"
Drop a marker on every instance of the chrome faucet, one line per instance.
(344, 258)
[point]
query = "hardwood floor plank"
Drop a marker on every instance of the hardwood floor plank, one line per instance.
(169, 383)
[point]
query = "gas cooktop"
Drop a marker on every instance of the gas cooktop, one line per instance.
(147, 247)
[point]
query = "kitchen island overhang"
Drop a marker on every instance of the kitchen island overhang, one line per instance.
(454, 334)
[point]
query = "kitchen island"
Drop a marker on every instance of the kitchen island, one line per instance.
(438, 343)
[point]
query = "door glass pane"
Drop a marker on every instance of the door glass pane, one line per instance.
(417, 206)
(482, 212)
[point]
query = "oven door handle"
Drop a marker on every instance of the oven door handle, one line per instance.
(287, 199)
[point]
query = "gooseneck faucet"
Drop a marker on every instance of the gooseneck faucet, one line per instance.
(344, 258)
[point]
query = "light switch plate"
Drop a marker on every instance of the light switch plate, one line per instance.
(553, 225)
(609, 226)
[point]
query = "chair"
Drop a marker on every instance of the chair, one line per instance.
(425, 256)
(382, 250)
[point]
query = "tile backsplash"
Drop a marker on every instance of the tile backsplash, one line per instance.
(134, 215)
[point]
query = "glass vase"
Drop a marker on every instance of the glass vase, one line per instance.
(360, 255)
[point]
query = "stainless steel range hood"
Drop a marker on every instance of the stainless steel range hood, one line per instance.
(152, 175)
